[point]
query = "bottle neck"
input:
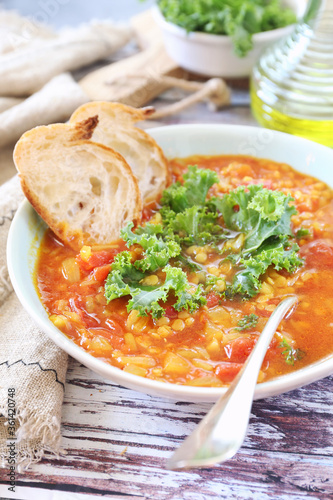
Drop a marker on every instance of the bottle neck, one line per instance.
(319, 15)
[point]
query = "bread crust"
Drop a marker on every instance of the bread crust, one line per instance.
(116, 129)
(118, 111)
(84, 130)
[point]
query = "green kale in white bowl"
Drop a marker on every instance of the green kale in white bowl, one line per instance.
(223, 37)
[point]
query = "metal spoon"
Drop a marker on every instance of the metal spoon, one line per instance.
(221, 433)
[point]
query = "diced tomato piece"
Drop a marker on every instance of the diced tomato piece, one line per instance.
(119, 319)
(102, 272)
(239, 349)
(309, 205)
(114, 326)
(89, 319)
(84, 266)
(242, 170)
(273, 351)
(263, 313)
(203, 318)
(103, 257)
(318, 253)
(148, 211)
(227, 371)
(266, 183)
(274, 300)
(146, 214)
(247, 308)
(97, 259)
(115, 341)
(170, 312)
(212, 299)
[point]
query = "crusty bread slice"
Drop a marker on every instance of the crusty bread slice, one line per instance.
(116, 129)
(84, 191)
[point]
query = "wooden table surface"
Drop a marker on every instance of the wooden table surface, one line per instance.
(117, 440)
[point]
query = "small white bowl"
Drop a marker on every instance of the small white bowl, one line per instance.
(213, 55)
(27, 230)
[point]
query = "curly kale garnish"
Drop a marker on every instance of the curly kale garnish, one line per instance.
(264, 217)
(290, 354)
(197, 181)
(247, 322)
(145, 299)
(250, 227)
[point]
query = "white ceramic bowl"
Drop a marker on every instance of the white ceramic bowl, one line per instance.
(213, 55)
(27, 230)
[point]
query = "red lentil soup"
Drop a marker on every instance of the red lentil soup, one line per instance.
(207, 347)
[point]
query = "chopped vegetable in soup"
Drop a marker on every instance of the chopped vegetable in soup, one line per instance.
(183, 297)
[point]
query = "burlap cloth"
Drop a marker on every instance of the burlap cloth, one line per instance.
(32, 368)
(34, 90)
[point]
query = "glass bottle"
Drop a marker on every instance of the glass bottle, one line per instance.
(292, 83)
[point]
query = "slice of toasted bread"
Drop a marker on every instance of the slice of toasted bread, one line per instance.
(84, 191)
(116, 129)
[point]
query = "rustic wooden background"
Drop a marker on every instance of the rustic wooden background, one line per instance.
(117, 441)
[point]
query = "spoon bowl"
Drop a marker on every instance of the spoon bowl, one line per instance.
(221, 433)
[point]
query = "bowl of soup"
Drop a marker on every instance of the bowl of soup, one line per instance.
(174, 306)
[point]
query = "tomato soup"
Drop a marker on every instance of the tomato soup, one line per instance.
(206, 346)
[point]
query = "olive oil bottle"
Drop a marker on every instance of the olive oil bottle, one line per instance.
(292, 83)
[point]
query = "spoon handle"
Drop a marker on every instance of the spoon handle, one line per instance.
(221, 433)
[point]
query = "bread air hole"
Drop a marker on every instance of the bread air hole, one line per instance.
(74, 210)
(113, 184)
(96, 186)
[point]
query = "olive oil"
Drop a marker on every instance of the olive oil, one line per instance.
(316, 130)
(292, 83)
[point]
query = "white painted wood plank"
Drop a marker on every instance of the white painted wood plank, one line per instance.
(117, 442)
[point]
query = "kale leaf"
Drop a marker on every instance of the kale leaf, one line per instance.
(260, 218)
(146, 299)
(273, 252)
(186, 217)
(195, 226)
(258, 212)
(264, 217)
(197, 181)
(290, 354)
(247, 322)
(302, 232)
(127, 278)
(157, 251)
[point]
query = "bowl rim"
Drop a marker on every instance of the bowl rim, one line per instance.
(212, 38)
(279, 385)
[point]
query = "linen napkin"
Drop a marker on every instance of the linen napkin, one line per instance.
(17, 31)
(25, 70)
(9, 102)
(33, 60)
(32, 367)
(55, 102)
